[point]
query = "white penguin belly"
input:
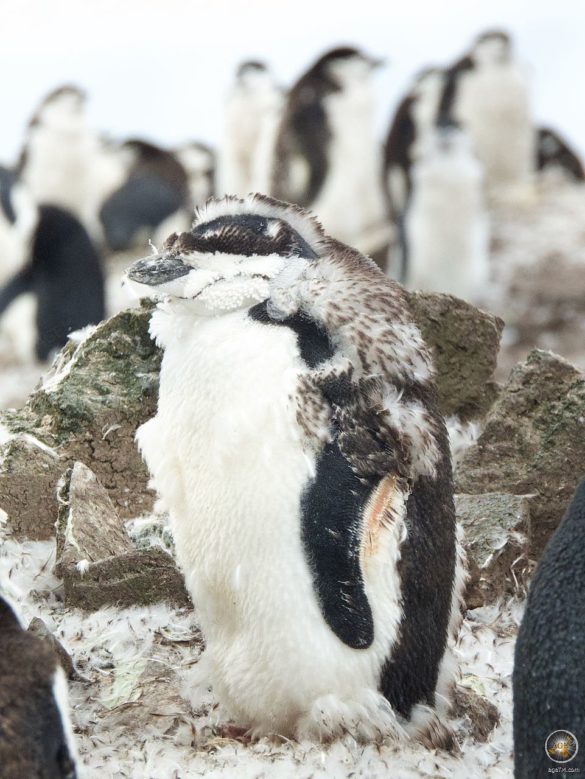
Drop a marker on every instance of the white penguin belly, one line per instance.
(227, 458)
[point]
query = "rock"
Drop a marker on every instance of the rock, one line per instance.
(28, 473)
(88, 408)
(533, 443)
(88, 526)
(496, 530)
(465, 343)
(479, 715)
(38, 628)
(137, 578)
(96, 558)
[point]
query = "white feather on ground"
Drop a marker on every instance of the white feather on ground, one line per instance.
(132, 717)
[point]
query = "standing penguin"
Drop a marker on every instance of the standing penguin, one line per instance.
(446, 229)
(300, 452)
(413, 120)
(64, 274)
(487, 93)
(251, 117)
(36, 737)
(549, 662)
(58, 155)
(327, 156)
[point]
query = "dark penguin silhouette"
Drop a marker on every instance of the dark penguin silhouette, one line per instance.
(549, 664)
(35, 733)
(554, 152)
(7, 181)
(156, 187)
(65, 275)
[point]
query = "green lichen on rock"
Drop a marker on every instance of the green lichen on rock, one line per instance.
(465, 343)
(533, 442)
(88, 408)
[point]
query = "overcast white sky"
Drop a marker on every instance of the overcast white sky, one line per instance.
(160, 69)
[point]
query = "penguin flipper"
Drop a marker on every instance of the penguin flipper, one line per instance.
(18, 285)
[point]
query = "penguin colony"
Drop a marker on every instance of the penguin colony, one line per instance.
(297, 404)
(317, 532)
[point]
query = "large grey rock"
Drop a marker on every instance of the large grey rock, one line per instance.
(98, 392)
(96, 558)
(496, 528)
(465, 343)
(533, 442)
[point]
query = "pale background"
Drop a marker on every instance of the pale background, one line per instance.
(161, 69)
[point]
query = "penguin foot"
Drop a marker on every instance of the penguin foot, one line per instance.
(366, 718)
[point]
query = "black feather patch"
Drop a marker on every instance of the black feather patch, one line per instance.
(332, 508)
(313, 341)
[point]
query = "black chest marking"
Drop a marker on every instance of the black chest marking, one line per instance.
(313, 341)
(332, 508)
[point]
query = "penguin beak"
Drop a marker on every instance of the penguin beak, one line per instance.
(158, 269)
(376, 63)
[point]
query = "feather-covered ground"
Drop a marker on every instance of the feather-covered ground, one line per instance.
(137, 714)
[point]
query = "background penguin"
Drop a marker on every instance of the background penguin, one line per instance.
(156, 188)
(198, 161)
(446, 223)
(327, 156)
(549, 662)
(251, 116)
(58, 155)
(323, 559)
(487, 93)
(554, 153)
(413, 120)
(65, 276)
(36, 736)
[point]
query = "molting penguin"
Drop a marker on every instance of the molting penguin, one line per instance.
(549, 662)
(36, 737)
(554, 153)
(327, 156)
(251, 117)
(299, 450)
(487, 93)
(156, 189)
(64, 274)
(446, 222)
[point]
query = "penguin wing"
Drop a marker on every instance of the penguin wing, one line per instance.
(376, 402)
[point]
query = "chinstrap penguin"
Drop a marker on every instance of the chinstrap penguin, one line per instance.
(549, 661)
(36, 736)
(487, 92)
(446, 227)
(299, 451)
(327, 156)
(251, 117)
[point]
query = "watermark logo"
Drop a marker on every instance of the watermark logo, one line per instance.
(561, 746)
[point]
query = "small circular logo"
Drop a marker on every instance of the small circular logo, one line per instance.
(561, 746)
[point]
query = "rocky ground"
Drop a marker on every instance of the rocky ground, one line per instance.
(68, 467)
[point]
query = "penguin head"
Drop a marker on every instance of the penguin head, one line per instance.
(36, 738)
(253, 74)
(233, 252)
(428, 82)
(493, 47)
(61, 109)
(345, 67)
